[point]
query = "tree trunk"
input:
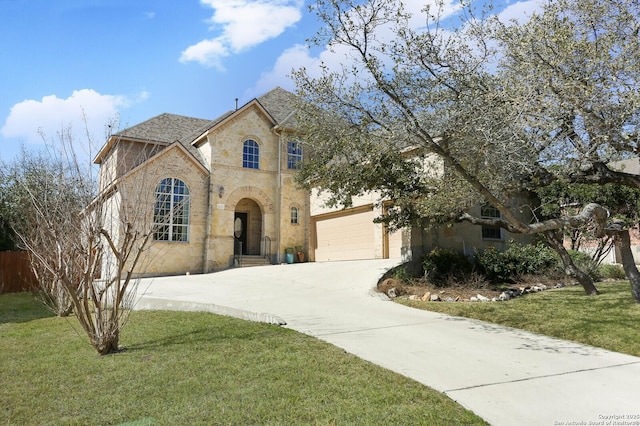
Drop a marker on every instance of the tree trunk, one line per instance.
(555, 241)
(623, 243)
(107, 344)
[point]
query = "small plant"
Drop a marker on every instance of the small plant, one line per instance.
(401, 274)
(289, 250)
(615, 272)
(444, 265)
(584, 262)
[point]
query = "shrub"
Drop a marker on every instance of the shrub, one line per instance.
(444, 265)
(615, 272)
(585, 263)
(402, 274)
(516, 260)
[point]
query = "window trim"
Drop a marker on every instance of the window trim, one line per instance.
(295, 217)
(176, 202)
(251, 154)
(294, 154)
(490, 212)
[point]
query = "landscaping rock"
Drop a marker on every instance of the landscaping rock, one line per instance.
(426, 297)
(392, 293)
(481, 298)
(473, 299)
(435, 298)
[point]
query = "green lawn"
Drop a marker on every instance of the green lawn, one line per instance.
(610, 320)
(197, 368)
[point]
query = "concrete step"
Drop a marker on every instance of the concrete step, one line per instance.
(249, 260)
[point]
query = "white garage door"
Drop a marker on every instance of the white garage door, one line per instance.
(349, 236)
(395, 245)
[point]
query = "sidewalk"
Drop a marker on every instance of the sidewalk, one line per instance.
(506, 376)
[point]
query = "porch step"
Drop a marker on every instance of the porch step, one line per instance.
(248, 261)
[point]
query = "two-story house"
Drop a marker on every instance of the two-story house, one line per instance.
(217, 189)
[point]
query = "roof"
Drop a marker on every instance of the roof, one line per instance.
(166, 128)
(162, 129)
(280, 104)
(169, 128)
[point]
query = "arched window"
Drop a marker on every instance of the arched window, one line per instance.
(171, 211)
(250, 154)
(295, 216)
(294, 154)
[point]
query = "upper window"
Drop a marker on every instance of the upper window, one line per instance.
(171, 211)
(490, 232)
(294, 154)
(251, 155)
(295, 216)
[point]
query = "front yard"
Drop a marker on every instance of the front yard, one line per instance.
(196, 368)
(609, 320)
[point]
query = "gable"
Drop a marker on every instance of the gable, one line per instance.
(277, 106)
(161, 130)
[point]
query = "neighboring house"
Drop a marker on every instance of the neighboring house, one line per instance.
(614, 256)
(215, 189)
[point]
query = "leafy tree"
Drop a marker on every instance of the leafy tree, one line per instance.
(440, 118)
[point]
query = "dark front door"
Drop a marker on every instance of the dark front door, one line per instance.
(240, 232)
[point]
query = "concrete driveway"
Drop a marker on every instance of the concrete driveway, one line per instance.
(506, 376)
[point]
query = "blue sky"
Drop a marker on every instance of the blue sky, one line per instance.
(135, 59)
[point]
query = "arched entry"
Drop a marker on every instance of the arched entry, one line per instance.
(248, 226)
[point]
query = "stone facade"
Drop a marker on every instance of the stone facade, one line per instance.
(207, 157)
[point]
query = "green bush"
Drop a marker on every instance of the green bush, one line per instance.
(517, 260)
(441, 265)
(615, 272)
(402, 274)
(585, 263)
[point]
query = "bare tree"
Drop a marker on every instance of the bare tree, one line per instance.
(488, 111)
(88, 246)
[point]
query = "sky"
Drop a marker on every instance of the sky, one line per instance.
(86, 64)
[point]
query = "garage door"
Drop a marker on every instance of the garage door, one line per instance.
(347, 236)
(395, 244)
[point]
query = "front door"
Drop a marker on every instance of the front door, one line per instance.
(240, 232)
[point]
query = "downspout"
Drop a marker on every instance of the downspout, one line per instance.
(276, 129)
(207, 230)
(208, 219)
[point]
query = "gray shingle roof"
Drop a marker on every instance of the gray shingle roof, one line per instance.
(280, 104)
(164, 128)
(169, 128)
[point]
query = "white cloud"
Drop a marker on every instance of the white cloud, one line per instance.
(244, 24)
(521, 11)
(51, 115)
(299, 56)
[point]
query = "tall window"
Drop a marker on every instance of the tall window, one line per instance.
(295, 217)
(250, 155)
(294, 154)
(171, 211)
(490, 232)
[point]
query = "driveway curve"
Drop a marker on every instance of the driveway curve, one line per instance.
(504, 375)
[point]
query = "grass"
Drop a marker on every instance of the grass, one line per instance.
(196, 368)
(609, 320)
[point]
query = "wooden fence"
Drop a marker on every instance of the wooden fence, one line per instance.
(15, 272)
